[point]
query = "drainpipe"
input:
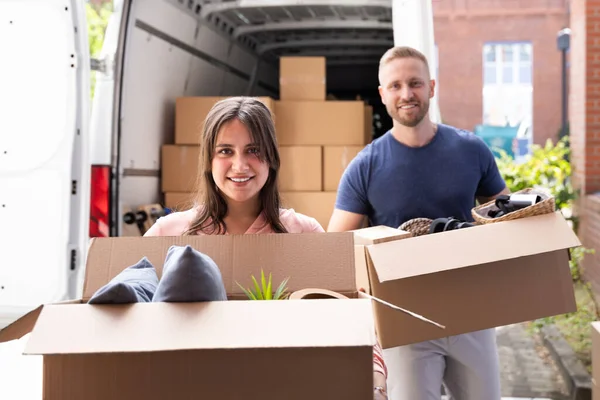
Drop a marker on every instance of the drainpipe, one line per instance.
(563, 42)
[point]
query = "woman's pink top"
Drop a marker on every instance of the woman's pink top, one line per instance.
(175, 224)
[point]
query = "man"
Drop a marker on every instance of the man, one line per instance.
(420, 169)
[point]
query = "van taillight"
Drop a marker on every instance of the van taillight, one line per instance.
(99, 201)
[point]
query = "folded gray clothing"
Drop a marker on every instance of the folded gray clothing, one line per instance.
(189, 276)
(135, 284)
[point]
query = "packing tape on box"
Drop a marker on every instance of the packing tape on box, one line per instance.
(314, 293)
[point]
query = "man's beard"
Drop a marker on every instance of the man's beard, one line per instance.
(410, 122)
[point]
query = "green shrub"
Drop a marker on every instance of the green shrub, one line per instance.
(547, 167)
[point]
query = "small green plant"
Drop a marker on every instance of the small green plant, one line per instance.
(264, 291)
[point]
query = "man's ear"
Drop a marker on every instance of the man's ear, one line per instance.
(431, 88)
(380, 89)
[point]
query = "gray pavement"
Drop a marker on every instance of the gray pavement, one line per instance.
(526, 369)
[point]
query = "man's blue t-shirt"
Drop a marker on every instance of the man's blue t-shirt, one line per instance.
(392, 183)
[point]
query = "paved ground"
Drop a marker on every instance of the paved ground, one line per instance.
(527, 371)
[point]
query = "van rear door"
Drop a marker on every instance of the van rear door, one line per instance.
(44, 168)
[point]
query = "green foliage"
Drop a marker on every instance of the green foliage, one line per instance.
(547, 167)
(264, 290)
(97, 20)
(577, 255)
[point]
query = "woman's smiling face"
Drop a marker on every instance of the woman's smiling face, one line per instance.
(237, 168)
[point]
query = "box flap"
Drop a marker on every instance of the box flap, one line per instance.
(471, 246)
(300, 256)
(20, 327)
(378, 234)
(243, 324)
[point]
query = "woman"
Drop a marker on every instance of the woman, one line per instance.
(239, 164)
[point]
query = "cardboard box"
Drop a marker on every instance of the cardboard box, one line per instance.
(470, 279)
(179, 168)
(302, 78)
(318, 205)
(223, 350)
(190, 113)
(368, 124)
(301, 168)
(179, 201)
(320, 123)
(335, 161)
(596, 354)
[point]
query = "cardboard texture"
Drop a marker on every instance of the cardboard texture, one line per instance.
(238, 256)
(368, 124)
(301, 168)
(190, 113)
(318, 205)
(179, 172)
(212, 348)
(335, 162)
(320, 123)
(302, 78)
(378, 234)
(595, 327)
(470, 279)
(179, 201)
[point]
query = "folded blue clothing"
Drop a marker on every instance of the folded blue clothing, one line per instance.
(135, 284)
(189, 276)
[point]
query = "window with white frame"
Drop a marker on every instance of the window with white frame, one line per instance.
(507, 83)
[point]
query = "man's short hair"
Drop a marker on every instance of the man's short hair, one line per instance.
(402, 52)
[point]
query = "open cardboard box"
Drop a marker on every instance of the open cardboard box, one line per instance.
(467, 279)
(595, 335)
(309, 349)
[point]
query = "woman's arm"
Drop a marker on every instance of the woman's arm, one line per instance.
(379, 373)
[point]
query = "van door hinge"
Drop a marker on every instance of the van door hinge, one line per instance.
(98, 65)
(103, 65)
(73, 259)
(73, 187)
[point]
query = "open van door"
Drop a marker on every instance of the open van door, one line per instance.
(44, 167)
(412, 22)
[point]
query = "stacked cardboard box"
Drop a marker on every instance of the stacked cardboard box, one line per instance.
(317, 140)
(317, 137)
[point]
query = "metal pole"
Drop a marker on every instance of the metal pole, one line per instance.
(563, 43)
(564, 93)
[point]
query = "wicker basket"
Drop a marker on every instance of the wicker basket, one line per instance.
(417, 226)
(546, 206)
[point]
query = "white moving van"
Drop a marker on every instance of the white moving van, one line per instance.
(62, 155)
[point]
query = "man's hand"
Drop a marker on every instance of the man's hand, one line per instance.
(379, 396)
(380, 386)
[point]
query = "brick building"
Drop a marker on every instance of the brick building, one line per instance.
(498, 61)
(584, 116)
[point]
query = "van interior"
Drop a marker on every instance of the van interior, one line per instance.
(176, 48)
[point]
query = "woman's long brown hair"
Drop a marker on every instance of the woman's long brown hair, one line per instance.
(212, 209)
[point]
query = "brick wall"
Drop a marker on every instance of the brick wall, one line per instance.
(584, 116)
(463, 27)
